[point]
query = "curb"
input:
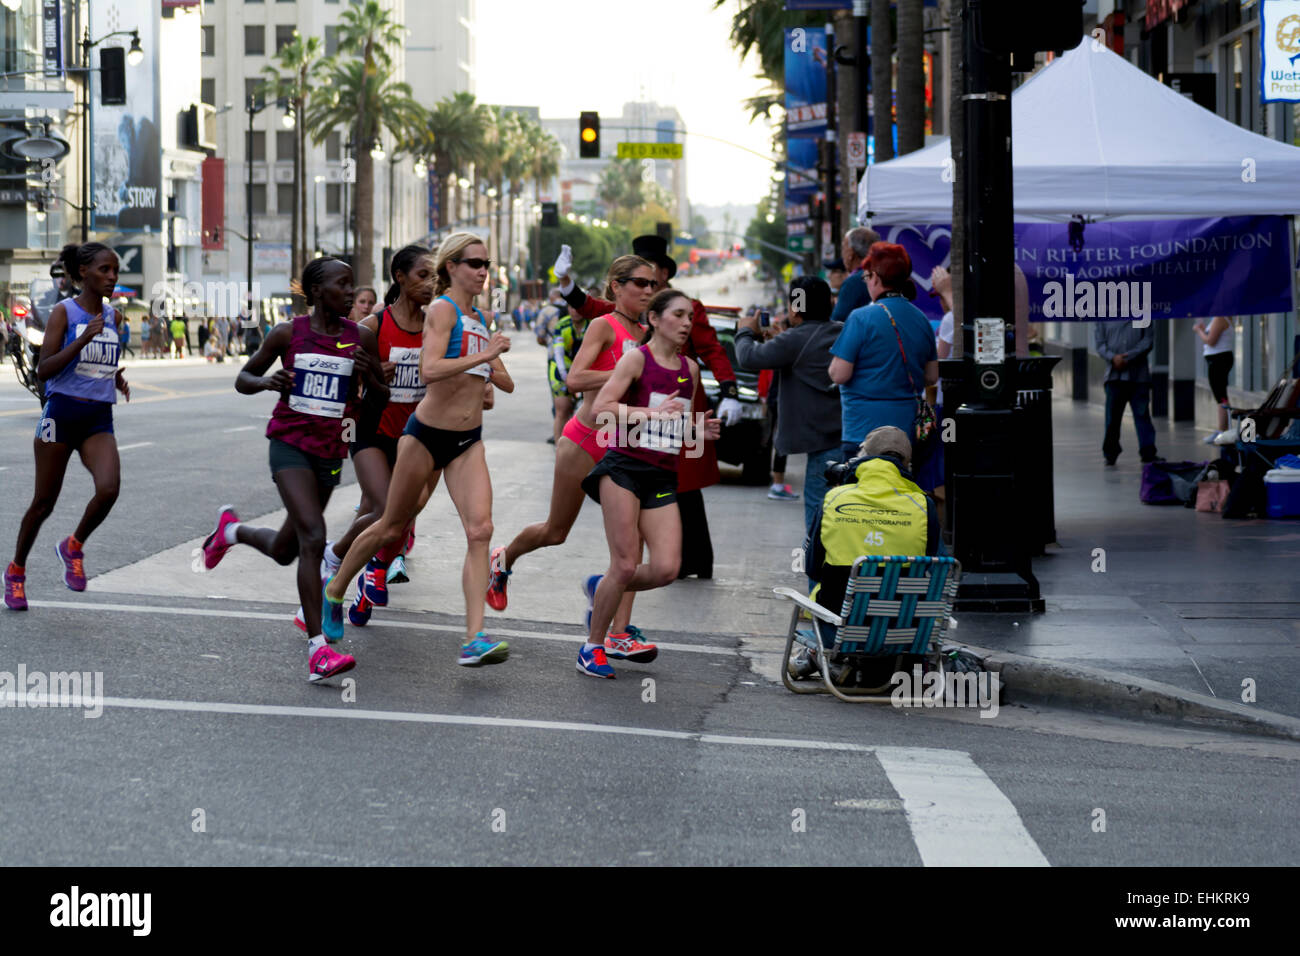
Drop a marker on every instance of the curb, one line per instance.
(1091, 688)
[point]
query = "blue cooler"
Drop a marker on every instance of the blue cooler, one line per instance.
(1282, 485)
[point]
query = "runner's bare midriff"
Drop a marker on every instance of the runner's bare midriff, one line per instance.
(453, 404)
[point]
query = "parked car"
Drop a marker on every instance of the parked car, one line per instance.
(748, 443)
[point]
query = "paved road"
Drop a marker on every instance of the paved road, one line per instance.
(697, 758)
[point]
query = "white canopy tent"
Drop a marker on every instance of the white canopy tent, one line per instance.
(1095, 136)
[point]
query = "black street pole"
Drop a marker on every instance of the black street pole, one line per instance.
(248, 158)
(315, 216)
(830, 152)
(346, 225)
(85, 140)
(862, 60)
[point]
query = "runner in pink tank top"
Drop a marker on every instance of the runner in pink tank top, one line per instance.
(630, 285)
(325, 362)
(649, 396)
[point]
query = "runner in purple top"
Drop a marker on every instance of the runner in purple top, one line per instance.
(325, 361)
(78, 364)
(647, 403)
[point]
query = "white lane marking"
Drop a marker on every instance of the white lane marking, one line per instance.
(139, 444)
(957, 815)
(400, 625)
(9, 698)
(241, 428)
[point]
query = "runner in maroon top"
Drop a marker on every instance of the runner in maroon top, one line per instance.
(325, 359)
(647, 404)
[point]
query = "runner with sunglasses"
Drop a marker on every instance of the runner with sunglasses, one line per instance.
(325, 359)
(630, 286)
(443, 436)
(650, 395)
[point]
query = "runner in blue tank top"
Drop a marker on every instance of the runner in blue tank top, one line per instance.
(78, 364)
(645, 410)
(443, 437)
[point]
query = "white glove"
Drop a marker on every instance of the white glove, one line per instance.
(729, 410)
(563, 262)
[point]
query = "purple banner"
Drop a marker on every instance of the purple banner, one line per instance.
(1175, 268)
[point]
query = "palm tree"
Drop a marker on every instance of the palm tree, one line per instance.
(911, 77)
(882, 80)
(455, 132)
(301, 61)
(361, 95)
(500, 157)
(759, 25)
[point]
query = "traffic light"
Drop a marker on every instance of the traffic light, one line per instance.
(589, 135)
(550, 215)
(112, 76)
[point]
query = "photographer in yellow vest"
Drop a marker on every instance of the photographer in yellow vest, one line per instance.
(874, 507)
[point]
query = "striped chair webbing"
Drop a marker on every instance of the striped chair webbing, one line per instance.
(893, 603)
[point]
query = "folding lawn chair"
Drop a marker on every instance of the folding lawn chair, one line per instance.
(892, 605)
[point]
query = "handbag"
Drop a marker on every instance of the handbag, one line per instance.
(1210, 495)
(925, 422)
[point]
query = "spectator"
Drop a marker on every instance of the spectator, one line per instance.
(835, 276)
(204, 326)
(885, 354)
(1217, 349)
(853, 292)
(177, 326)
(124, 334)
(146, 343)
(808, 419)
(1128, 382)
(885, 507)
(222, 329)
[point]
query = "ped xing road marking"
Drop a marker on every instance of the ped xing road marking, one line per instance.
(400, 625)
(957, 815)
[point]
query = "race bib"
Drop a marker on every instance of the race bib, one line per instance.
(473, 340)
(662, 434)
(98, 360)
(320, 384)
(628, 346)
(407, 387)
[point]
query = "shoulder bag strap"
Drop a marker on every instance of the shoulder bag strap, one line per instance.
(906, 370)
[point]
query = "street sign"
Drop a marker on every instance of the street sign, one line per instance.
(649, 150)
(799, 243)
(130, 259)
(856, 150)
(18, 196)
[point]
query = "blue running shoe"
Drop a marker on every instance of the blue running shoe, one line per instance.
(593, 662)
(483, 651)
(374, 583)
(397, 571)
(331, 615)
(589, 585)
(359, 610)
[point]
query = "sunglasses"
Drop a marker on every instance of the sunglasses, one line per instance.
(477, 263)
(642, 283)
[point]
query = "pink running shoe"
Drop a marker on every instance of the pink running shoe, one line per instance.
(15, 591)
(326, 662)
(215, 547)
(74, 573)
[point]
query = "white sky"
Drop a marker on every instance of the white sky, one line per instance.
(599, 54)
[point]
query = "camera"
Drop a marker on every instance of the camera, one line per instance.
(844, 472)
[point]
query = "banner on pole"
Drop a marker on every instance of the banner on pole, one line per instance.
(1279, 51)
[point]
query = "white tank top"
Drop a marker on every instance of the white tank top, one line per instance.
(1223, 345)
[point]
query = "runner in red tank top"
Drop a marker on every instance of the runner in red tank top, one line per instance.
(400, 333)
(325, 360)
(630, 285)
(650, 397)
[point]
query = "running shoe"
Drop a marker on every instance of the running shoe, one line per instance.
(74, 574)
(593, 662)
(300, 620)
(374, 583)
(331, 616)
(397, 571)
(360, 609)
(589, 585)
(782, 493)
(215, 547)
(15, 591)
(496, 594)
(325, 662)
(483, 651)
(627, 647)
(328, 562)
(802, 665)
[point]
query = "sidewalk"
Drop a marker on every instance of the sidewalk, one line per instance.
(1188, 599)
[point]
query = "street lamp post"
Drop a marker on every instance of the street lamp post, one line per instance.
(315, 214)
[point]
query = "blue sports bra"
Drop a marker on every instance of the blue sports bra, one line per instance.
(469, 336)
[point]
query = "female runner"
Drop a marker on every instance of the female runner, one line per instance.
(78, 364)
(636, 483)
(324, 358)
(630, 285)
(444, 436)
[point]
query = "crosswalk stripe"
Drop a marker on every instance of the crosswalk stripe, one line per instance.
(283, 618)
(957, 815)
